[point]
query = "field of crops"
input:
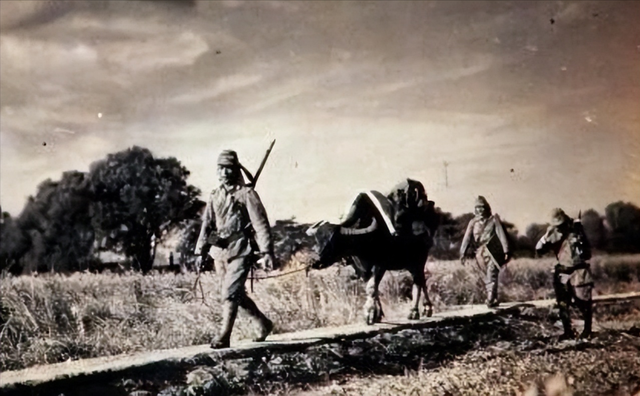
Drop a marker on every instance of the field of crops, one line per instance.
(53, 318)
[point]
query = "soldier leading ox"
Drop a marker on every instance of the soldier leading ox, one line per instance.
(381, 233)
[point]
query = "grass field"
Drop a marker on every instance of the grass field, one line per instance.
(53, 318)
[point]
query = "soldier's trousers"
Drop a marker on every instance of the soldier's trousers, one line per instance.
(491, 276)
(234, 296)
(235, 277)
(578, 296)
(491, 282)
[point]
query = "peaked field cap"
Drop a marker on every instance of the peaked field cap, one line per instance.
(481, 201)
(228, 158)
(558, 217)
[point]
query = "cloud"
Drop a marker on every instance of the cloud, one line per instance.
(287, 6)
(147, 54)
(217, 88)
(25, 14)
(25, 54)
(366, 90)
(569, 12)
(369, 91)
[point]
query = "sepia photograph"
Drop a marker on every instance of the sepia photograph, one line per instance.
(319, 197)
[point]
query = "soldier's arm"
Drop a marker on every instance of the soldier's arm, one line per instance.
(544, 244)
(502, 235)
(208, 222)
(466, 240)
(259, 222)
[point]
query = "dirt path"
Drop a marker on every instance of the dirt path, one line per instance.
(176, 361)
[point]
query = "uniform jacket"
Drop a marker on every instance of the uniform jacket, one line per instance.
(572, 251)
(480, 231)
(234, 223)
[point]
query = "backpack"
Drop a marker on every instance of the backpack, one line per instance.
(580, 246)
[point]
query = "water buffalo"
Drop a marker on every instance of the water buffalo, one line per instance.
(381, 233)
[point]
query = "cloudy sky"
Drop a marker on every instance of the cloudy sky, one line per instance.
(531, 104)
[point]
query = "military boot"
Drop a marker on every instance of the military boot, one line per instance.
(229, 314)
(266, 325)
(587, 314)
(565, 317)
(492, 298)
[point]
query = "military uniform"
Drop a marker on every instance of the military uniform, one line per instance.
(572, 279)
(234, 227)
(488, 242)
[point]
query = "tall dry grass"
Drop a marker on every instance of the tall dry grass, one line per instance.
(53, 318)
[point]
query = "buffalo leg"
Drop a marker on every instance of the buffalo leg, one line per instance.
(420, 286)
(427, 308)
(372, 307)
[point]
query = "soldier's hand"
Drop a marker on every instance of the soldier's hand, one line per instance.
(267, 262)
(198, 263)
(462, 260)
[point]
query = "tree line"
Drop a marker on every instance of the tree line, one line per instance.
(617, 230)
(130, 201)
(127, 203)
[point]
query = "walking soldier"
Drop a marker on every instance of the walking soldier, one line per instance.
(235, 226)
(486, 241)
(572, 280)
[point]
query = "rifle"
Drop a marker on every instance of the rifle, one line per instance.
(253, 180)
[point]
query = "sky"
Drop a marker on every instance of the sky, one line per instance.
(533, 105)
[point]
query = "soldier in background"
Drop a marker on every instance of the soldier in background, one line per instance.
(572, 280)
(235, 225)
(486, 240)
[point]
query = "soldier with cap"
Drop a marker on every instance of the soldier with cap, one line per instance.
(487, 242)
(235, 225)
(572, 280)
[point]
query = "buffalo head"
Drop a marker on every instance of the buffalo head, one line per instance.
(326, 237)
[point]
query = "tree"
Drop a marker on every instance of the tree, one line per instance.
(512, 233)
(14, 244)
(449, 235)
(535, 231)
(623, 224)
(290, 237)
(593, 225)
(53, 231)
(137, 199)
(188, 238)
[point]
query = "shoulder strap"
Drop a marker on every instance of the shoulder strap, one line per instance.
(485, 236)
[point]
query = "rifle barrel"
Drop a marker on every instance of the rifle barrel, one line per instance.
(264, 161)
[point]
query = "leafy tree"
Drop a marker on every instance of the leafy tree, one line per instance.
(623, 223)
(535, 231)
(512, 233)
(525, 244)
(290, 237)
(14, 244)
(53, 232)
(189, 232)
(593, 225)
(137, 198)
(449, 235)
